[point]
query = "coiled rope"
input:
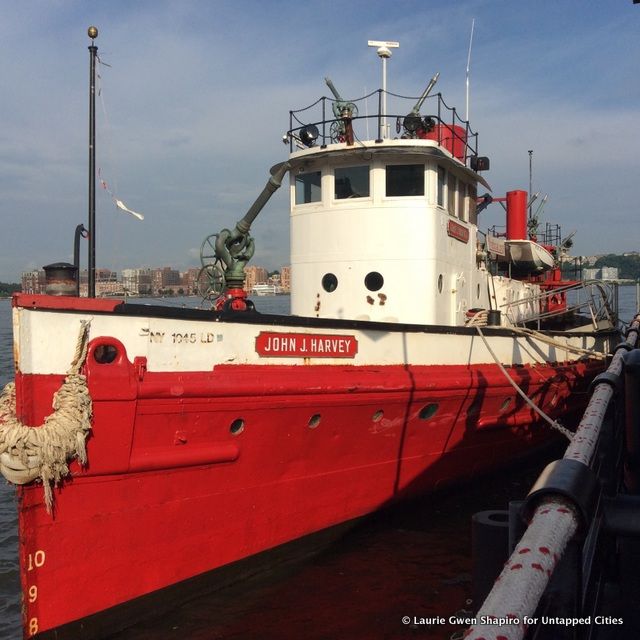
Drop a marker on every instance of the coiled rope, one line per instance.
(29, 453)
(478, 319)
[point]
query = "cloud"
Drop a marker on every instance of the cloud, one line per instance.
(198, 95)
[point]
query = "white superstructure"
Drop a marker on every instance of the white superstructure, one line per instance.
(387, 231)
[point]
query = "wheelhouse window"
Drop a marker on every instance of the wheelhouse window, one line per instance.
(351, 182)
(442, 181)
(405, 180)
(308, 187)
(451, 195)
(462, 200)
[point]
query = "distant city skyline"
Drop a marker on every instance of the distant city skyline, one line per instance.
(156, 280)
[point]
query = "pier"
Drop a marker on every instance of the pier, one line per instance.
(567, 557)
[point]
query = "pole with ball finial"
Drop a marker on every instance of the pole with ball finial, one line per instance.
(92, 32)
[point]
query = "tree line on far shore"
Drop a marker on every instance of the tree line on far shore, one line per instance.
(7, 288)
(628, 265)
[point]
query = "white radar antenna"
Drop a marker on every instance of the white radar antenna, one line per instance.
(384, 52)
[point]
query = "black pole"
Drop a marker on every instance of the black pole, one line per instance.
(91, 264)
(81, 232)
(530, 152)
(379, 138)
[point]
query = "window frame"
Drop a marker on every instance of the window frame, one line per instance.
(387, 165)
(295, 188)
(369, 168)
(441, 194)
(462, 200)
(452, 187)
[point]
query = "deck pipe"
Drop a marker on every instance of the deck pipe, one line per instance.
(235, 248)
(273, 184)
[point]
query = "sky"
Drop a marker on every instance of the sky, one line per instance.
(196, 97)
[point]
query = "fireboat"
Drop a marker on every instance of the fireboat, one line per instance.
(154, 447)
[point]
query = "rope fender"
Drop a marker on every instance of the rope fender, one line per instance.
(43, 452)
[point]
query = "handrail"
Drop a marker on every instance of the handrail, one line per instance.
(444, 115)
(509, 609)
(470, 144)
(599, 309)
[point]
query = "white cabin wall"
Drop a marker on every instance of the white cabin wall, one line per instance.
(353, 237)
(403, 238)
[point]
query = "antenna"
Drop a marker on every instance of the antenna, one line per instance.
(383, 51)
(541, 206)
(473, 23)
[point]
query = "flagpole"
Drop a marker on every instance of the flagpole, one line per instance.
(91, 267)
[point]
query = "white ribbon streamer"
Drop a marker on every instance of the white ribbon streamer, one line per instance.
(122, 206)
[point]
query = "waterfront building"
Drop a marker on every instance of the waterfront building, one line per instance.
(136, 282)
(285, 279)
(165, 279)
(33, 281)
(189, 280)
(254, 275)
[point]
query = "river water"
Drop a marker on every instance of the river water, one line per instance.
(413, 560)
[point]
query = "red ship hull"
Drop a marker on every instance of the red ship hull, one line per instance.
(171, 493)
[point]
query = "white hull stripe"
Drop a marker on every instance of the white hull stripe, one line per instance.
(45, 342)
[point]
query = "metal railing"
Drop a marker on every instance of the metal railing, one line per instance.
(448, 125)
(591, 303)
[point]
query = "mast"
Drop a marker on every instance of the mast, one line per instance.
(91, 263)
(384, 53)
(530, 152)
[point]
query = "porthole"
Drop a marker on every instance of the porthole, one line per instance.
(237, 427)
(373, 281)
(329, 282)
(440, 282)
(314, 421)
(428, 411)
(105, 353)
(378, 415)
